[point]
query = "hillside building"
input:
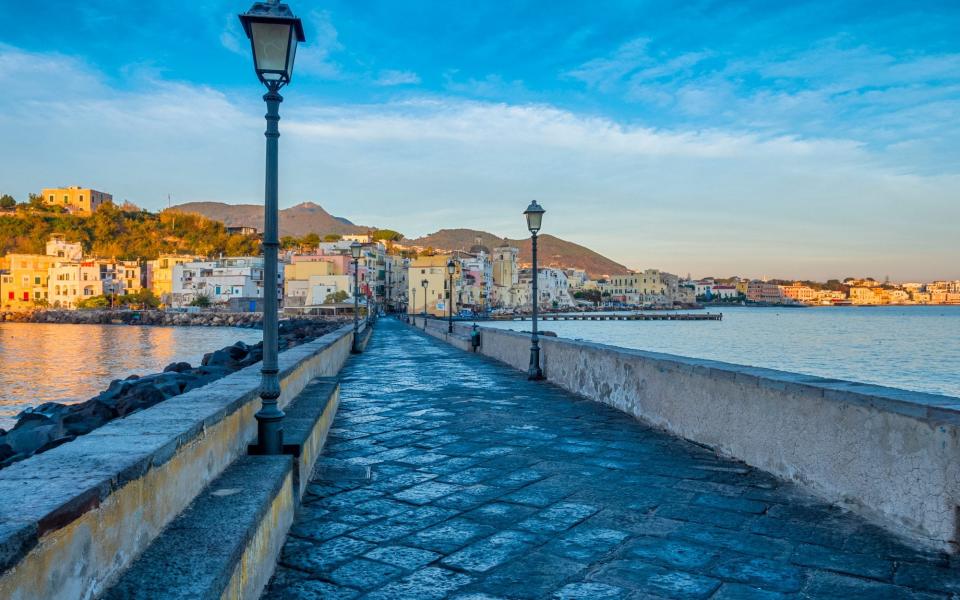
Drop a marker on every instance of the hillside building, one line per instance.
(76, 200)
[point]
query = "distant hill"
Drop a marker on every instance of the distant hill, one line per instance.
(297, 220)
(551, 250)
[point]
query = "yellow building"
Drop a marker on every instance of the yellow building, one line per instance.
(78, 200)
(25, 283)
(160, 274)
(432, 298)
(297, 278)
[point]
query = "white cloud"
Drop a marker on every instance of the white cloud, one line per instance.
(392, 77)
(701, 200)
(315, 56)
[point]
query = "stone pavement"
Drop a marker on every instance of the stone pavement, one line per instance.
(448, 475)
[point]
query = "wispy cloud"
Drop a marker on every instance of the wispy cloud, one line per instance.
(316, 58)
(647, 196)
(392, 77)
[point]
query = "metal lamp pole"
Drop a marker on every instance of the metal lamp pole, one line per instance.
(355, 249)
(425, 285)
(451, 268)
(534, 214)
(274, 32)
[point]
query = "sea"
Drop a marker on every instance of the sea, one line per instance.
(42, 362)
(909, 347)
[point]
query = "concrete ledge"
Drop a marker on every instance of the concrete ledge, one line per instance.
(306, 426)
(225, 543)
(75, 517)
(892, 455)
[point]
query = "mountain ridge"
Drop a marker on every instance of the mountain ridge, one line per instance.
(308, 217)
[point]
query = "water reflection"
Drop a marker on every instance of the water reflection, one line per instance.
(70, 363)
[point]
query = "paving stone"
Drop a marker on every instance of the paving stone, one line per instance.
(658, 580)
(928, 577)
(431, 583)
(843, 587)
(587, 544)
(739, 591)
(533, 576)
(850, 564)
(590, 591)
(670, 553)
(403, 556)
(500, 514)
(310, 589)
(320, 529)
(557, 518)
(449, 535)
(762, 573)
(486, 486)
(484, 555)
(364, 574)
(426, 492)
(728, 503)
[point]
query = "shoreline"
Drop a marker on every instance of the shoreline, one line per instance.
(148, 318)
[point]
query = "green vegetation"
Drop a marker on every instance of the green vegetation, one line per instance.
(336, 297)
(93, 302)
(7, 202)
(387, 235)
(201, 301)
(124, 235)
(588, 295)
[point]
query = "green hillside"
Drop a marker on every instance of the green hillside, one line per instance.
(126, 235)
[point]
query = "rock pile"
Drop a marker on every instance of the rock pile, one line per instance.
(135, 317)
(47, 426)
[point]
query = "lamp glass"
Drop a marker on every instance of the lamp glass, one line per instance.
(534, 214)
(451, 267)
(272, 49)
(355, 249)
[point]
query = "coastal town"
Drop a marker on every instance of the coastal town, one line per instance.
(319, 275)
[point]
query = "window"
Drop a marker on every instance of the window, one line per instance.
(36, 281)
(81, 198)
(51, 198)
(65, 199)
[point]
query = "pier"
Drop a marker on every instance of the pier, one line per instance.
(623, 317)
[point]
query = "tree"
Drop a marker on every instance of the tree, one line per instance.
(93, 302)
(289, 242)
(332, 237)
(336, 297)
(387, 235)
(7, 202)
(201, 301)
(311, 240)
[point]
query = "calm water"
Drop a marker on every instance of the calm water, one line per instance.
(70, 363)
(910, 347)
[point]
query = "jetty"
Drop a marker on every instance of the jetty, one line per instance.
(621, 317)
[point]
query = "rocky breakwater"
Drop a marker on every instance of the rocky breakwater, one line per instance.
(48, 425)
(135, 317)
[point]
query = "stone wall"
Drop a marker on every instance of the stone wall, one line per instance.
(74, 518)
(889, 454)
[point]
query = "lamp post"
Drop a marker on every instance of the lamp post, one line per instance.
(425, 283)
(412, 309)
(534, 214)
(451, 269)
(273, 32)
(355, 249)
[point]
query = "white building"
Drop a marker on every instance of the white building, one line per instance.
(73, 281)
(552, 287)
(235, 279)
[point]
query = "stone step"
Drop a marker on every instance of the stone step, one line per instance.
(226, 543)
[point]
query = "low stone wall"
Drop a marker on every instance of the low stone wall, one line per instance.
(75, 517)
(889, 454)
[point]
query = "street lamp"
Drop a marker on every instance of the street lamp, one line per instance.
(534, 214)
(355, 250)
(451, 269)
(425, 283)
(274, 32)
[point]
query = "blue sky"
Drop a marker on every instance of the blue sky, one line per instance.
(808, 139)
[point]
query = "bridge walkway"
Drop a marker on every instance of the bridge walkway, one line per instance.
(448, 475)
